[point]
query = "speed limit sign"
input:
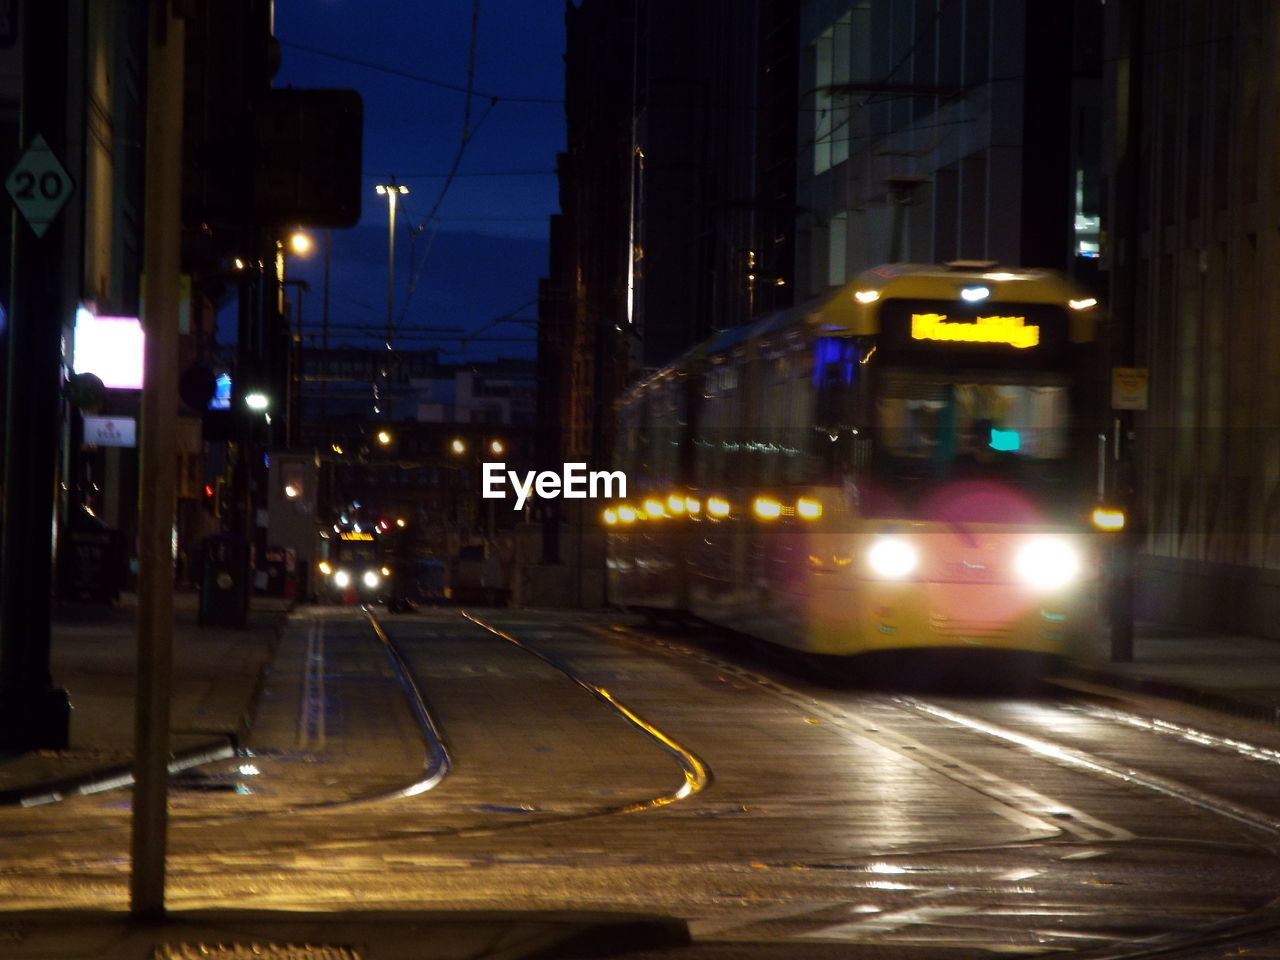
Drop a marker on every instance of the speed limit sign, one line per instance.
(39, 185)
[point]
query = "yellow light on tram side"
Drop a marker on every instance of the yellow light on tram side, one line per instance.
(626, 514)
(1106, 518)
(1084, 304)
(808, 509)
(675, 504)
(766, 508)
(654, 509)
(610, 517)
(692, 505)
(717, 507)
(867, 296)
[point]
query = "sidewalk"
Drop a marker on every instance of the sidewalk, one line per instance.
(1230, 673)
(216, 672)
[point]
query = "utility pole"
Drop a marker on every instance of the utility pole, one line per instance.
(157, 460)
(1124, 273)
(33, 713)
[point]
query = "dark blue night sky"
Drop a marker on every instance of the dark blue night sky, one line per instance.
(479, 258)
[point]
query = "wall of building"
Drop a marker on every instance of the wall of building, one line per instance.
(1197, 238)
(933, 132)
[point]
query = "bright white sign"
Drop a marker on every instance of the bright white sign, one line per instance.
(111, 348)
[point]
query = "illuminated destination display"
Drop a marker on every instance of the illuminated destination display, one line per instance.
(348, 535)
(1014, 331)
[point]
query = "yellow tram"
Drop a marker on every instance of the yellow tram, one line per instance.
(910, 463)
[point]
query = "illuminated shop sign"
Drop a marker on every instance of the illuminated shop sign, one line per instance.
(1014, 331)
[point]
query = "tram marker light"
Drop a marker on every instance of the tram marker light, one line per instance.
(808, 509)
(766, 509)
(867, 296)
(1107, 518)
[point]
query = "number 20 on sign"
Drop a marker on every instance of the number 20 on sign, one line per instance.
(39, 185)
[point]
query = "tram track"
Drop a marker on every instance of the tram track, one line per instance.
(1058, 818)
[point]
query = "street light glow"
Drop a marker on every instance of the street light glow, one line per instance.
(391, 190)
(496, 447)
(257, 401)
(458, 446)
(384, 437)
(300, 242)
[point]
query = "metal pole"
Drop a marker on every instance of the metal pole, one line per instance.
(157, 472)
(1125, 278)
(391, 253)
(33, 713)
(324, 334)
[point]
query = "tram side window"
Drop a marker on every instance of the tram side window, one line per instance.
(836, 389)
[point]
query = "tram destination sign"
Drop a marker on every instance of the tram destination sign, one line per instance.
(993, 332)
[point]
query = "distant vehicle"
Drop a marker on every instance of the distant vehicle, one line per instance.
(909, 464)
(352, 566)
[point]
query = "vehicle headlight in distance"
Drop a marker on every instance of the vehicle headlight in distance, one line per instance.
(371, 579)
(892, 557)
(1048, 563)
(342, 579)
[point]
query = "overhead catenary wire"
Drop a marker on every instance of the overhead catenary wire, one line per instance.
(463, 141)
(417, 78)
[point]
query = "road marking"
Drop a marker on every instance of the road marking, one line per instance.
(312, 706)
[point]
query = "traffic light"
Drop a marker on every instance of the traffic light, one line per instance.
(214, 496)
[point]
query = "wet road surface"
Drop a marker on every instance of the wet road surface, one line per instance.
(564, 763)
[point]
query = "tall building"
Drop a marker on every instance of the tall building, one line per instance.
(940, 131)
(1191, 251)
(676, 192)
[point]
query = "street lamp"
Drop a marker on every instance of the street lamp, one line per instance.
(392, 190)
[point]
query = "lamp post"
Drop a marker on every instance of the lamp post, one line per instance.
(392, 190)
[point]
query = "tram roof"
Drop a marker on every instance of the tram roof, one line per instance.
(852, 308)
(843, 313)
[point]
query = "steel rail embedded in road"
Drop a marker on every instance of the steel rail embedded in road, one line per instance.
(1263, 920)
(697, 776)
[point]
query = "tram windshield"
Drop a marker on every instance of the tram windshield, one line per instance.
(933, 428)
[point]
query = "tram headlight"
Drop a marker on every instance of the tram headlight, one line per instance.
(1047, 563)
(371, 579)
(342, 579)
(892, 558)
